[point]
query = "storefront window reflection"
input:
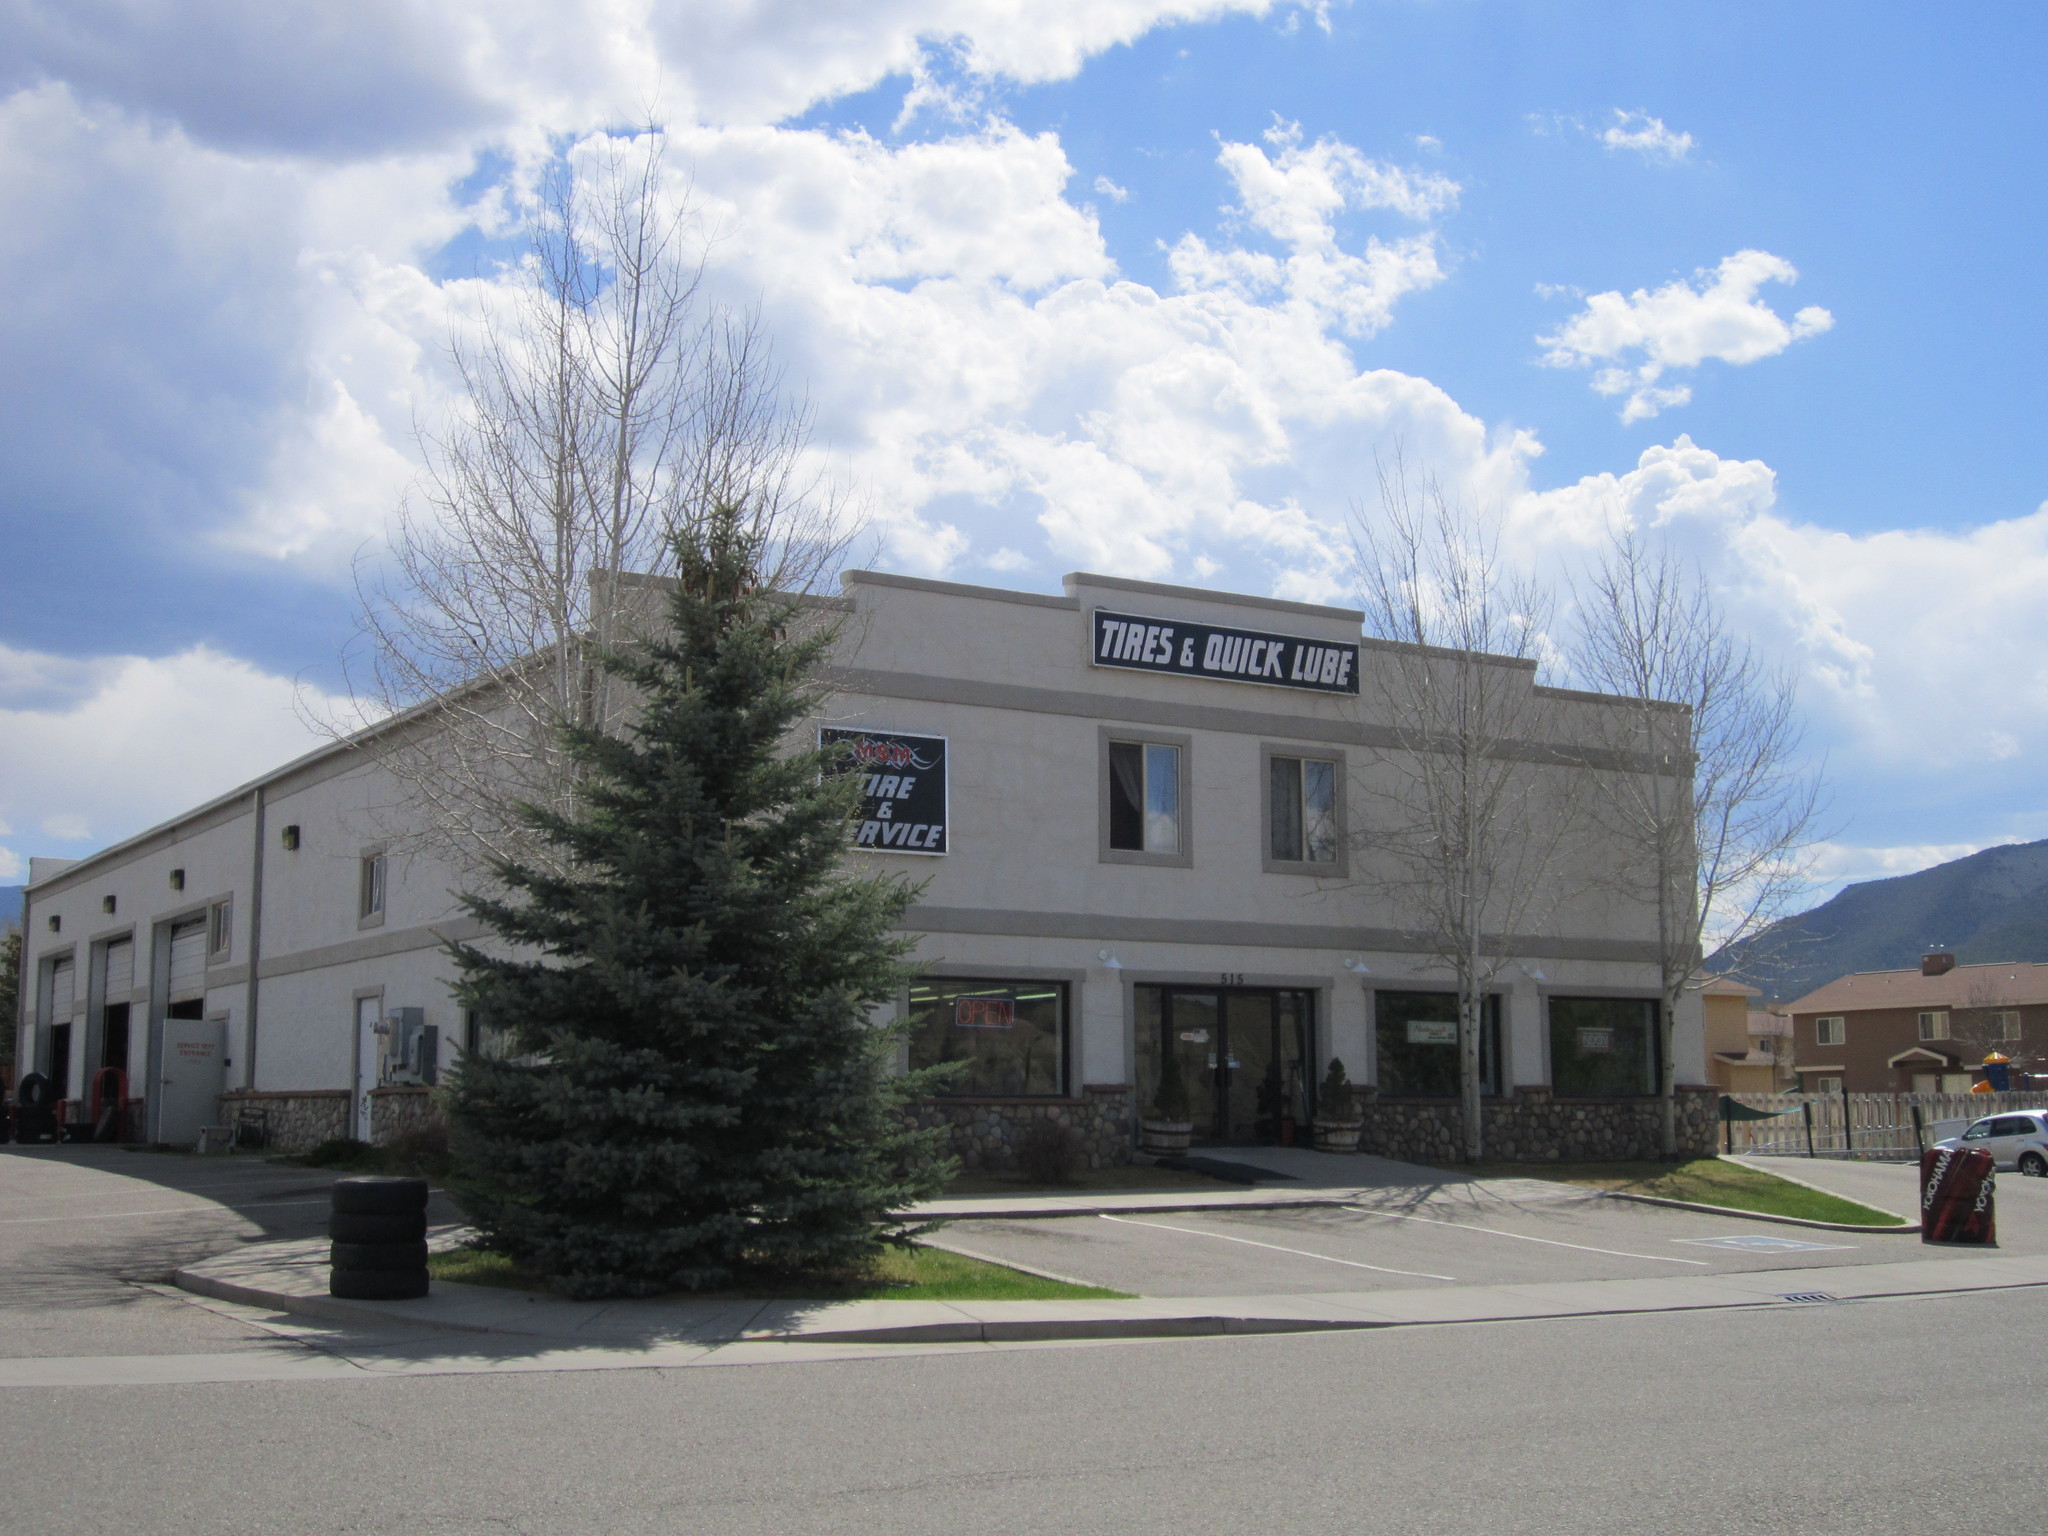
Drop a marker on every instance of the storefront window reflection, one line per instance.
(1010, 1035)
(1417, 1037)
(1603, 1045)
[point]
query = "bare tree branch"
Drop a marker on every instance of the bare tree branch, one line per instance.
(1472, 827)
(610, 404)
(1721, 850)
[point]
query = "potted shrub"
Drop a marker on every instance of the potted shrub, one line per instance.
(1167, 1127)
(1338, 1122)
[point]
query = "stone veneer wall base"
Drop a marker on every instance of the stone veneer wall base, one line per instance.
(290, 1122)
(1537, 1127)
(985, 1133)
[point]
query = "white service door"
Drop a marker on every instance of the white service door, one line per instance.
(194, 1075)
(369, 1045)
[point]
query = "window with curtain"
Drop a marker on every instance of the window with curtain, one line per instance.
(1302, 810)
(1144, 797)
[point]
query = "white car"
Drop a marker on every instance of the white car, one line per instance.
(2018, 1140)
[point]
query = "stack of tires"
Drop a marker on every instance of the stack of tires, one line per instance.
(379, 1232)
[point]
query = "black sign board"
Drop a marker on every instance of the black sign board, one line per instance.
(903, 802)
(1189, 649)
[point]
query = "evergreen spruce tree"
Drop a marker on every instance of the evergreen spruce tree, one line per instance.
(698, 1093)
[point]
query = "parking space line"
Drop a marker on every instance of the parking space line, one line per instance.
(1654, 1258)
(1303, 1253)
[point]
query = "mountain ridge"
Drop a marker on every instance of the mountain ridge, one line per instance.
(1987, 906)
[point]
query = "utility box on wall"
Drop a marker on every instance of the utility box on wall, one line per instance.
(412, 1048)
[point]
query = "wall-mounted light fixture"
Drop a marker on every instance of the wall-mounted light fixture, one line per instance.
(1357, 967)
(56, 922)
(1535, 973)
(290, 838)
(177, 879)
(1109, 960)
(107, 904)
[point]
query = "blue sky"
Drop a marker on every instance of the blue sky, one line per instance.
(1141, 286)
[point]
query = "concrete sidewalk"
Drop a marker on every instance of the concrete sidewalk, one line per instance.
(292, 1277)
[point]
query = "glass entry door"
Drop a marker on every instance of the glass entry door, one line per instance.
(1244, 1054)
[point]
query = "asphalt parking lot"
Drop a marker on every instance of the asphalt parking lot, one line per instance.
(1487, 1232)
(89, 1234)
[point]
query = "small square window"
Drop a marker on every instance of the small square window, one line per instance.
(1934, 1026)
(1832, 1031)
(370, 892)
(1827, 1085)
(2005, 1025)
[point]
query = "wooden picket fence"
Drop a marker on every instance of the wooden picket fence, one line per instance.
(1878, 1126)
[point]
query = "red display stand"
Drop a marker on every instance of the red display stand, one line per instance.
(1956, 1190)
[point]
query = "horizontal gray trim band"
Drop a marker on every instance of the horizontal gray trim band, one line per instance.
(1205, 595)
(1195, 717)
(226, 975)
(958, 589)
(375, 946)
(215, 813)
(996, 921)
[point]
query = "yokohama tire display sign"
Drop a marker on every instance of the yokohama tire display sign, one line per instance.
(1956, 1197)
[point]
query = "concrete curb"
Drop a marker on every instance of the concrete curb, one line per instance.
(1788, 1221)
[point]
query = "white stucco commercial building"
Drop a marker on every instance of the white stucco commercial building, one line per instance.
(1143, 817)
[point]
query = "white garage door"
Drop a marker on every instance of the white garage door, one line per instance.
(120, 971)
(63, 991)
(188, 960)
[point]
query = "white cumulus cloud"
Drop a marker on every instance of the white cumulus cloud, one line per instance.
(1642, 134)
(96, 753)
(1643, 335)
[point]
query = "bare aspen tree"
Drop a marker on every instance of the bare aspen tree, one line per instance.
(1718, 850)
(609, 403)
(1471, 818)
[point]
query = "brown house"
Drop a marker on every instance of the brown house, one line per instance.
(1920, 1031)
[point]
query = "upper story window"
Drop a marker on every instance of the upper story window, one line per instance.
(1934, 1025)
(1145, 801)
(2005, 1024)
(221, 928)
(1832, 1031)
(1304, 811)
(370, 889)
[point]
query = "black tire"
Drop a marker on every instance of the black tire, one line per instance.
(379, 1197)
(377, 1284)
(2033, 1165)
(377, 1255)
(346, 1227)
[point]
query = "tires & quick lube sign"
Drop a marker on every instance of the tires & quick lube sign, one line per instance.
(903, 794)
(1186, 648)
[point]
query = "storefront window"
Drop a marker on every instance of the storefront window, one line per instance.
(1603, 1045)
(1417, 1036)
(1011, 1035)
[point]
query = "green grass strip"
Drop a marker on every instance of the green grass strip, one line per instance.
(914, 1274)
(1703, 1181)
(1710, 1181)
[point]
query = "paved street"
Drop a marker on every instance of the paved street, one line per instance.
(1875, 1416)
